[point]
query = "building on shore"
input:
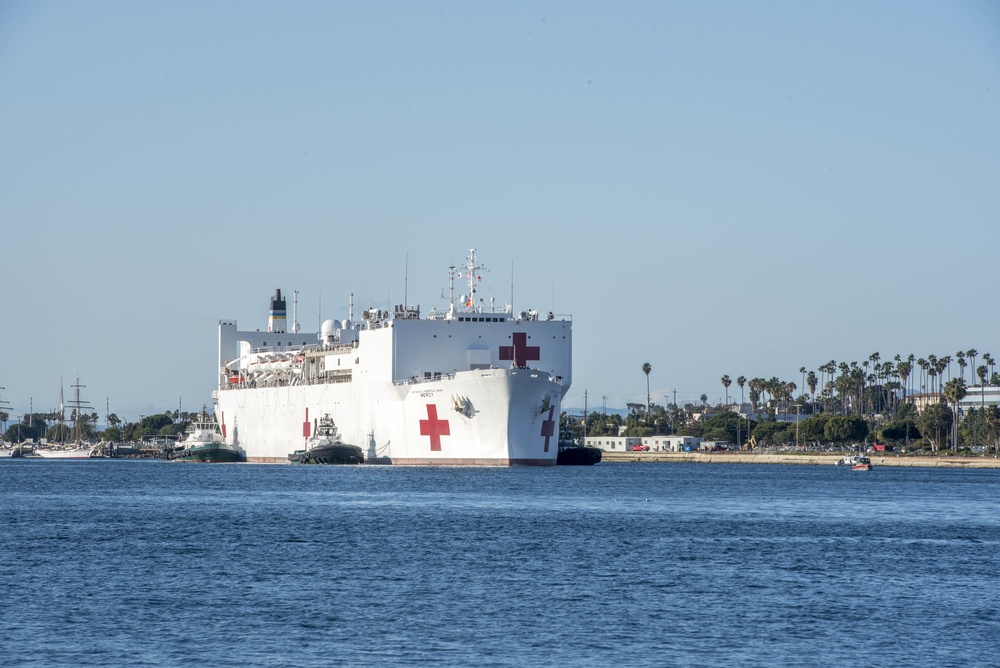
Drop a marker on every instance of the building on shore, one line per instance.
(977, 396)
(671, 443)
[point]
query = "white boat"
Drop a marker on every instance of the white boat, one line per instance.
(72, 452)
(857, 462)
(471, 384)
(78, 449)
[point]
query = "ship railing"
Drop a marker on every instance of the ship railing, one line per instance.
(417, 380)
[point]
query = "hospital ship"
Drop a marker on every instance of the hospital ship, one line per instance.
(471, 384)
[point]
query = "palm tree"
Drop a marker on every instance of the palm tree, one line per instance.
(903, 371)
(960, 356)
(646, 368)
(741, 381)
(726, 382)
(945, 362)
(954, 392)
(983, 372)
(811, 381)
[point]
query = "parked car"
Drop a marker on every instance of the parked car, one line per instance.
(640, 448)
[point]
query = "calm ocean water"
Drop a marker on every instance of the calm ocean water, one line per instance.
(149, 563)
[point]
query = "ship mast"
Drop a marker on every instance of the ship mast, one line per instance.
(474, 274)
(5, 407)
(78, 407)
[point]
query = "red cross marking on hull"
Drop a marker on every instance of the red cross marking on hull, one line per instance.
(520, 352)
(434, 427)
(548, 428)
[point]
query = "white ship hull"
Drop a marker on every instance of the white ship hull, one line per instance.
(492, 417)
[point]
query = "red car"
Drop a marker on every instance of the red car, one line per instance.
(640, 448)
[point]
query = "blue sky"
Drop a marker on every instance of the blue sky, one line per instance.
(711, 187)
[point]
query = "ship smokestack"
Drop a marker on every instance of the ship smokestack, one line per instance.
(276, 317)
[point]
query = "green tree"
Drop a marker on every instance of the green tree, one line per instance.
(773, 432)
(58, 433)
(151, 425)
(813, 429)
(903, 426)
(843, 428)
(934, 421)
(722, 427)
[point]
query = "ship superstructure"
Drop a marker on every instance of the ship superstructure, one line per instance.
(468, 385)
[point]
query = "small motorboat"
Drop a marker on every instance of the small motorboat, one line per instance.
(862, 464)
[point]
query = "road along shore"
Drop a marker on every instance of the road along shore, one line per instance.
(804, 458)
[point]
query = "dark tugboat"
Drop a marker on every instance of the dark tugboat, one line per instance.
(325, 447)
(572, 454)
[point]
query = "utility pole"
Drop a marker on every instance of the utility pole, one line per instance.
(739, 423)
(797, 406)
(673, 412)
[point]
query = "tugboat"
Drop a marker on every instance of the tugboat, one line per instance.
(325, 447)
(203, 442)
(571, 454)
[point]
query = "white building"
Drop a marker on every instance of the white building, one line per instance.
(976, 397)
(672, 443)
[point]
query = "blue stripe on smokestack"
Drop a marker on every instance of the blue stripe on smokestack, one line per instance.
(276, 318)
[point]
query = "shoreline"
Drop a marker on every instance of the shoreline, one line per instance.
(804, 459)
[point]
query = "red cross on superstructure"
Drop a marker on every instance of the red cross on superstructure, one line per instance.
(548, 428)
(434, 427)
(520, 352)
(306, 425)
